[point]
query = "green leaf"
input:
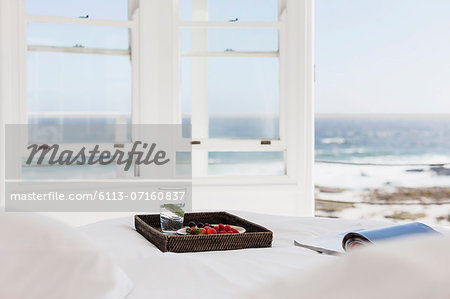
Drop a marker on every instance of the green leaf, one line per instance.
(174, 209)
(198, 231)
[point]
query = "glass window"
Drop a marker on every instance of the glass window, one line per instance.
(84, 89)
(246, 163)
(243, 98)
(68, 172)
(186, 92)
(95, 9)
(67, 35)
(226, 10)
(245, 40)
(76, 94)
(230, 83)
(67, 82)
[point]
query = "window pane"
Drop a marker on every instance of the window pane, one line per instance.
(249, 10)
(226, 10)
(186, 93)
(184, 164)
(49, 129)
(243, 98)
(95, 9)
(258, 40)
(67, 35)
(67, 172)
(246, 163)
(78, 89)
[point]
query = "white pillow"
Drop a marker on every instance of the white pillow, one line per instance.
(43, 258)
(409, 268)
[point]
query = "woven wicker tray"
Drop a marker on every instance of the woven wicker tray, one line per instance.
(255, 236)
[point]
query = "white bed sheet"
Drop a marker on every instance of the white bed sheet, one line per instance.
(219, 274)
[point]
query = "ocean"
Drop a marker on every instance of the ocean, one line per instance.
(355, 140)
(414, 140)
(377, 140)
(382, 141)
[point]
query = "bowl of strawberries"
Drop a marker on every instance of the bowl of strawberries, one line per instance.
(210, 229)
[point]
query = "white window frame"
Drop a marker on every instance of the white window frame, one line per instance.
(156, 96)
(119, 118)
(200, 115)
(160, 88)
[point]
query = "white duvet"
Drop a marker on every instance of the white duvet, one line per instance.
(43, 258)
(220, 274)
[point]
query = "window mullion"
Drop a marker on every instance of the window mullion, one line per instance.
(283, 119)
(228, 54)
(79, 21)
(78, 50)
(199, 120)
(234, 25)
(240, 145)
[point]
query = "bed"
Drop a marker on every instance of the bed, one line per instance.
(42, 258)
(220, 274)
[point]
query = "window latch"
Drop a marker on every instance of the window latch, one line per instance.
(266, 142)
(195, 142)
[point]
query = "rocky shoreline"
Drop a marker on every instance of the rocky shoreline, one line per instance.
(427, 204)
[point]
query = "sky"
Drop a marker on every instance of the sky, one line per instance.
(372, 56)
(382, 56)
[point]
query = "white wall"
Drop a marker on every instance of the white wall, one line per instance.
(12, 92)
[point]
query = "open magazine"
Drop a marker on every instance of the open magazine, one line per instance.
(345, 241)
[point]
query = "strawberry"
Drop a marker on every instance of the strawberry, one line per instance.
(227, 227)
(221, 227)
(211, 231)
(207, 227)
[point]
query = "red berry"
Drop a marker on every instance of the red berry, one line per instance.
(227, 227)
(235, 231)
(211, 231)
(204, 231)
(216, 228)
(223, 232)
(207, 227)
(221, 227)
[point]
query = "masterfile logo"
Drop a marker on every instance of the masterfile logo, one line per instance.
(115, 168)
(52, 155)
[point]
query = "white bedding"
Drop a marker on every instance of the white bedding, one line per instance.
(220, 274)
(44, 258)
